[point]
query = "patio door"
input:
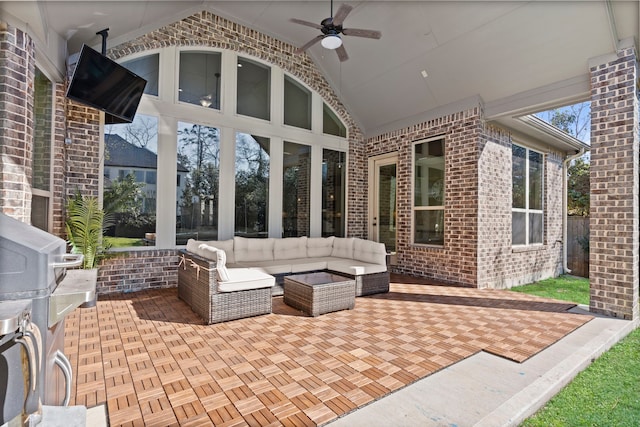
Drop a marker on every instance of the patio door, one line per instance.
(382, 200)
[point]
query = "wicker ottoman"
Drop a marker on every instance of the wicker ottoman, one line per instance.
(320, 292)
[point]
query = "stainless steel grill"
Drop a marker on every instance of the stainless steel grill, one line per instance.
(36, 293)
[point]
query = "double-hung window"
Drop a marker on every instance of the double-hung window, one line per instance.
(428, 192)
(528, 189)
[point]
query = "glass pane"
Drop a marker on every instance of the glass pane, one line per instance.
(518, 175)
(43, 112)
(130, 151)
(331, 124)
(535, 227)
(429, 227)
(254, 89)
(518, 228)
(147, 68)
(252, 185)
(386, 218)
(297, 104)
(333, 183)
(199, 163)
(40, 212)
(295, 190)
(429, 173)
(200, 79)
(535, 180)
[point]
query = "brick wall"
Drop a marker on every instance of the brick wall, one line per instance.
(613, 262)
(17, 74)
(137, 270)
(457, 260)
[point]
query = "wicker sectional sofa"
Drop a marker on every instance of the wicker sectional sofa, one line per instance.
(203, 262)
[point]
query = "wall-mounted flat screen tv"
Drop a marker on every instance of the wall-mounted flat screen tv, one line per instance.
(106, 85)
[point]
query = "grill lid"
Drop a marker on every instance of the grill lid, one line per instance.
(28, 256)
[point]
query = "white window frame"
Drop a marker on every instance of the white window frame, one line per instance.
(527, 210)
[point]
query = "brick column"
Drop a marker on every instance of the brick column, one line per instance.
(17, 68)
(614, 220)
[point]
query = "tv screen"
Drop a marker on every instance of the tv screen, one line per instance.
(106, 85)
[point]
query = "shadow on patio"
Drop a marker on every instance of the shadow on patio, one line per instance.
(153, 362)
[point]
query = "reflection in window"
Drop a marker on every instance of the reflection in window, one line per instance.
(130, 152)
(254, 89)
(199, 155)
(252, 185)
(297, 104)
(147, 68)
(295, 190)
(527, 214)
(41, 154)
(428, 187)
(200, 79)
(333, 193)
(331, 124)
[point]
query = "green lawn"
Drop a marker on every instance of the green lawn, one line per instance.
(123, 242)
(607, 393)
(566, 288)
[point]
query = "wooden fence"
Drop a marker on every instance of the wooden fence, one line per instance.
(577, 235)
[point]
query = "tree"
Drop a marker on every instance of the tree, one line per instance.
(575, 120)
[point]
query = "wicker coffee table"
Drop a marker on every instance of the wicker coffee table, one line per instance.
(320, 292)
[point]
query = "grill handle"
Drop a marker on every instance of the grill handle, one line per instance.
(69, 260)
(65, 366)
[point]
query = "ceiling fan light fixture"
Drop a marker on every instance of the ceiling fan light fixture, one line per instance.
(331, 41)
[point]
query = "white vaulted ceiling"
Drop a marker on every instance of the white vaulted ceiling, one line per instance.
(513, 56)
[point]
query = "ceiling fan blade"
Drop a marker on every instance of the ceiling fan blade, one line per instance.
(342, 13)
(307, 23)
(370, 34)
(342, 53)
(309, 44)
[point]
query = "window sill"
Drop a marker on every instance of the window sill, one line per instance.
(529, 248)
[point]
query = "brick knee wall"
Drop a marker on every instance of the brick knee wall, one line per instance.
(138, 270)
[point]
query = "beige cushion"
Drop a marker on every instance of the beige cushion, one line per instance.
(246, 249)
(193, 246)
(355, 268)
(242, 279)
(271, 267)
(301, 265)
(369, 251)
(319, 246)
(290, 248)
(223, 274)
(342, 247)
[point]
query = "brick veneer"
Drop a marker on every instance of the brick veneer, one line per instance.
(17, 74)
(477, 250)
(614, 187)
(137, 270)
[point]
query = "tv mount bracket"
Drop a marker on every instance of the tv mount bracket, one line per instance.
(104, 34)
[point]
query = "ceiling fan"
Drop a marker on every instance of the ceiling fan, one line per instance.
(331, 29)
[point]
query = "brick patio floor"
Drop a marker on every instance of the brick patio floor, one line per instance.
(153, 362)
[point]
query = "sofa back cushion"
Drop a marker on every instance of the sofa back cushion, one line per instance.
(342, 247)
(245, 249)
(318, 247)
(223, 274)
(369, 251)
(290, 248)
(193, 246)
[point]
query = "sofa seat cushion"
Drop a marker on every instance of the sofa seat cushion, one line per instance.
(301, 265)
(289, 248)
(354, 267)
(271, 267)
(242, 279)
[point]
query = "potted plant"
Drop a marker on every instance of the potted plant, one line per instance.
(85, 224)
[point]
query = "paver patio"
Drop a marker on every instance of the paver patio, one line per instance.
(154, 363)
